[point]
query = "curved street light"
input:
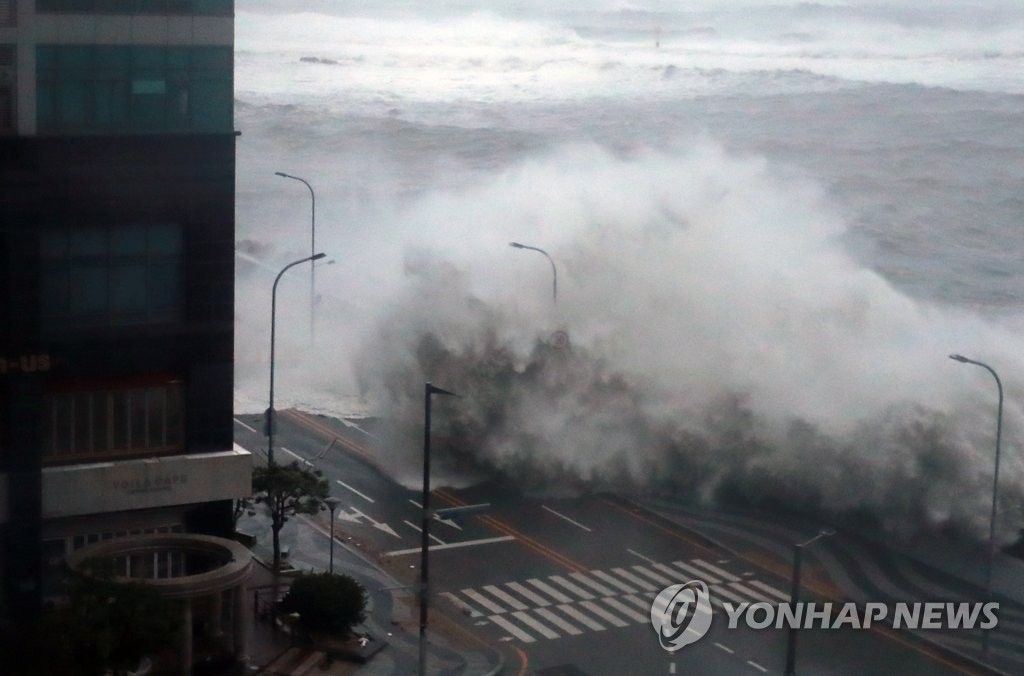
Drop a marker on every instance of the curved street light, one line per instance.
(995, 486)
(554, 270)
(312, 249)
(273, 331)
(794, 596)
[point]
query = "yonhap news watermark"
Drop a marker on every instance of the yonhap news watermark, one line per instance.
(681, 614)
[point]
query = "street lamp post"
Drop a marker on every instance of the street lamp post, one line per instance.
(332, 504)
(794, 597)
(554, 270)
(312, 250)
(995, 487)
(425, 530)
(273, 330)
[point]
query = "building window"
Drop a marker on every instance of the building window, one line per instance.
(8, 12)
(134, 88)
(7, 86)
(110, 276)
(196, 7)
(127, 421)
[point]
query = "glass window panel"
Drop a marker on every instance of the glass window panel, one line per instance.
(164, 286)
(148, 112)
(101, 411)
(89, 293)
(53, 243)
(54, 288)
(178, 58)
(46, 61)
(88, 242)
(174, 414)
(214, 60)
(128, 288)
(211, 102)
(128, 241)
(60, 425)
(138, 411)
(73, 104)
(111, 100)
(157, 407)
(46, 105)
(150, 86)
(113, 61)
(119, 418)
(74, 62)
(147, 61)
(81, 423)
(212, 7)
(164, 238)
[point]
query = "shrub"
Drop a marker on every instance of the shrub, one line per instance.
(326, 603)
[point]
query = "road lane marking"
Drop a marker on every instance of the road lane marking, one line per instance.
(604, 614)
(410, 524)
(697, 574)
(577, 616)
(523, 539)
(663, 581)
(535, 625)
(563, 516)
(640, 556)
(450, 545)
(364, 496)
(757, 666)
(562, 582)
(557, 621)
(724, 574)
(527, 594)
(625, 610)
(418, 505)
(481, 600)
(643, 584)
(770, 589)
(513, 602)
(553, 593)
(297, 456)
(461, 605)
(725, 648)
(511, 628)
(245, 426)
(599, 588)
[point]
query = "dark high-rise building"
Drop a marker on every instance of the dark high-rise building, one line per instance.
(117, 190)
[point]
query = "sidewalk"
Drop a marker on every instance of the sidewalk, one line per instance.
(391, 623)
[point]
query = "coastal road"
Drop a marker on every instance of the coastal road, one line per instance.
(564, 583)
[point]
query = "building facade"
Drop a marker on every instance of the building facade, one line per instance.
(117, 190)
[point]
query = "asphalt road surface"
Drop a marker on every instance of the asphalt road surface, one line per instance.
(563, 584)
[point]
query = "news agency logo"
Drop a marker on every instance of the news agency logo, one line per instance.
(681, 614)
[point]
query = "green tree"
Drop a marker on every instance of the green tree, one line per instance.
(287, 490)
(326, 603)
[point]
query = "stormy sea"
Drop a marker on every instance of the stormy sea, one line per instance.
(754, 234)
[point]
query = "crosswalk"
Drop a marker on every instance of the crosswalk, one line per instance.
(560, 606)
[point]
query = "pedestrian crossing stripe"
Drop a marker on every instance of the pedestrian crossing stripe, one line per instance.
(561, 581)
(570, 605)
(723, 574)
(613, 582)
